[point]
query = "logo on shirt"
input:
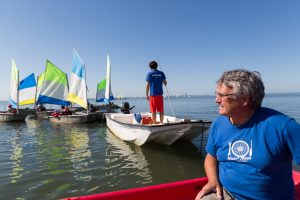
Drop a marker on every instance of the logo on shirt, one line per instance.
(156, 75)
(240, 151)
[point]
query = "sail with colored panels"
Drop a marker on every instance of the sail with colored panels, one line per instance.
(100, 96)
(78, 91)
(40, 80)
(104, 93)
(27, 90)
(54, 86)
(14, 85)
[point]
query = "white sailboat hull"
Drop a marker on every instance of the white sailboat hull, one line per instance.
(167, 133)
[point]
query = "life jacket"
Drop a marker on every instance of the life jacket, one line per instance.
(55, 114)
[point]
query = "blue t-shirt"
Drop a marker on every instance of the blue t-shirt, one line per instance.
(155, 79)
(255, 159)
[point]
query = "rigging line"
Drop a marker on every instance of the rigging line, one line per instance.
(167, 90)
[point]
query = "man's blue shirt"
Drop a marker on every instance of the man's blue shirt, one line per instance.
(255, 159)
(155, 79)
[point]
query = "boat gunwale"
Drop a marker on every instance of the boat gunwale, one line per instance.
(165, 190)
(108, 115)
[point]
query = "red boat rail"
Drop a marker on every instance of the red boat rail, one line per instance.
(181, 190)
(187, 189)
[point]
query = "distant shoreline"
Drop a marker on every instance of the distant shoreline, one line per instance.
(212, 95)
(202, 95)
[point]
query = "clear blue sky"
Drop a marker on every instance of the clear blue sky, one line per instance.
(195, 41)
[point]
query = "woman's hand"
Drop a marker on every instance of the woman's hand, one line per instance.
(210, 187)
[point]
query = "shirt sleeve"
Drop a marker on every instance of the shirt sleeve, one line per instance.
(148, 77)
(211, 146)
(292, 132)
(163, 76)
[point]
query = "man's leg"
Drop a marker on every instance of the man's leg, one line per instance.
(161, 116)
(152, 109)
(154, 117)
(161, 108)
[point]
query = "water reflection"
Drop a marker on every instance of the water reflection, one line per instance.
(151, 163)
(125, 159)
(180, 161)
(77, 141)
(16, 158)
(32, 125)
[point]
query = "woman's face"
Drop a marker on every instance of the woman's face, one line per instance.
(228, 101)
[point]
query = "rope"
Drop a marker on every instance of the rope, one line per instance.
(167, 91)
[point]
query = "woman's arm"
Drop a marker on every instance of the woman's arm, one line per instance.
(213, 185)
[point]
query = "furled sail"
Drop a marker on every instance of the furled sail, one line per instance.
(14, 85)
(104, 93)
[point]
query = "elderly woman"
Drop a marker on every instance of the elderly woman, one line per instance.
(250, 148)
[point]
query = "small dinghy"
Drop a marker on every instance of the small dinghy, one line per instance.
(77, 95)
(127, 128)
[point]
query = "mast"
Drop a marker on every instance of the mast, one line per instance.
(107, 89)
(36, 87)
(87, 102)
(18, 86)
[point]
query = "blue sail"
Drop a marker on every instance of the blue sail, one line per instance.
(27, 90)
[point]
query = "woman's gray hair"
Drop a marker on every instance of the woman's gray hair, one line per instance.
(245, 84)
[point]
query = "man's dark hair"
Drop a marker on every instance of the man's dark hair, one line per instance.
(153, 64)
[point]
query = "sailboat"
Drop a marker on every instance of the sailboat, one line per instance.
(15, 115)
(27, 90)
(77, 94)
(104, 92)
(52, 88)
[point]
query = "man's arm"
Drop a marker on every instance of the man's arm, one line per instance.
(213, 185)
(147, 90)
(165, 82)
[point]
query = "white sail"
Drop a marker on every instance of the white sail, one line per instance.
(104, 93)
(14, 85)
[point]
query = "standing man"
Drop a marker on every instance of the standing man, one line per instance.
(154, 81)
(250, 148)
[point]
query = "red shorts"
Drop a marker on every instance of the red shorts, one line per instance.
(156, 104)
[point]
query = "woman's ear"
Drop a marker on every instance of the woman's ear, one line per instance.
(246, 101)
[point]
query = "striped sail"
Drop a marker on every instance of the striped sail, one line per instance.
(104, 93)
(78, 91)
(40, 80)
(100, 96)
(53, 86)
(14, 85)
(27, 90)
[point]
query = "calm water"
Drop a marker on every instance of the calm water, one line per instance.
(39, 160)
